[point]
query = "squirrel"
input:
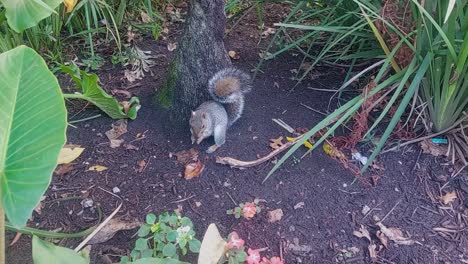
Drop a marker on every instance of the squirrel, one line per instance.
(212, 118)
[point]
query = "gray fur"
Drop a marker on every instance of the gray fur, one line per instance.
(212, 118)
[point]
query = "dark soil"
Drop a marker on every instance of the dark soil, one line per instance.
(407, 194)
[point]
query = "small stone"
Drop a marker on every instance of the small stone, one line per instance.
(216, 196)
(115, 190)
(292, 228)
(299, 205)
(197, 204)
(226, 184)
(376, 218)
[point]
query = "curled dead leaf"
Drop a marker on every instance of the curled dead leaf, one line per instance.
(69, 5)
(383, 239)
(363, 232)
(395, 234)
(434, 149)
(193, 170)
(186, 156)
(448, 197)
(63, 169)
(275, 215)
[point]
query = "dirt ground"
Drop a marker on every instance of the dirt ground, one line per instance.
(321, 204)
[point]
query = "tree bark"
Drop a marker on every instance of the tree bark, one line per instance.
(201, 53)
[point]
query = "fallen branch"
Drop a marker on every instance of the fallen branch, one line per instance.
(239, 164)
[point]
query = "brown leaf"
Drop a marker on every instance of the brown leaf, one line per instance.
(275, 215)
(69, 153)
(186, 156)
(141, 166)
(383, 239)
(145, 18)
(130, 147)
(299, 205)
(373, 251)
(363, 232)
(63, 169)
(396, 235)
(123, 93)
(434, 149)
(448, 197)
(276, 143)
(15, 239)
(112, 227)
(193, 170)
(233, 55)
(119, 128)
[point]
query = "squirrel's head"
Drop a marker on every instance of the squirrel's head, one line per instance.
(200, 125)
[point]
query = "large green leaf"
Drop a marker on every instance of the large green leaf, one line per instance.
(32, 130)
(158, 261)
(92, 92)
(47, 253)
(23, 14)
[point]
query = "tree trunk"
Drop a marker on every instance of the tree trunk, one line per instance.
(201, 53)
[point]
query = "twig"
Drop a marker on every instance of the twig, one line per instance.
(84, 119)
(283, 125)
(82, 244)
(235, 163)
(391, 210)
(185, 199)
(232, 199)
(312, 109)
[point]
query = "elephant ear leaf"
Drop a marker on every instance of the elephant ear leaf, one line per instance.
(33, 122)
(23, 14)
(45, 253)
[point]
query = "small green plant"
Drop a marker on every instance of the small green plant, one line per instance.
(164, 237)
(246, 210)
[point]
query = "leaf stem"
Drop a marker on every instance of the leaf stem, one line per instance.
(74, 96)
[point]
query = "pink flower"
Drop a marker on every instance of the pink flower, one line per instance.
(249, 210)
(235, 241)
(253, 257)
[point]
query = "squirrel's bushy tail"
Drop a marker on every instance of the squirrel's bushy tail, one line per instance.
(228, 87)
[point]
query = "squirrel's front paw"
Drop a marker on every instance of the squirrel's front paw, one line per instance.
(212, 149)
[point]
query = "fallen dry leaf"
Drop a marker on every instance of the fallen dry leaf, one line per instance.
(63, 169)
(141, 166)
(448, 197)
(383, 239)
(15, 239)
(233, 55)
(306, 144)
(119, 128)
(130, 147)
(97, 168)
(193, 170)
(123, 93)
(69, 5)
(276, 143)
(434, 149)
(363, 232)
(112, 227)
(186, 156)
(268, 31)
(395, 234)
(373, 252)
(171, 46)
(213, 246)
(145, 18)
(69, 153)
(40, 205)
(275, 215)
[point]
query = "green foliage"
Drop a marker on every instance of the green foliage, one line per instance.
(46, 253)
(164, 237)
(165, 96)
(23, 14)
(238, 211)
(32, 130)
(88, 84)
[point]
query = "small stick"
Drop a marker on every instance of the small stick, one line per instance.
(84, 119)
(232, 199)
(185, 199)
(82, 244)
(235, 163)
(393, 208)
(312, 109)
(283, 125)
